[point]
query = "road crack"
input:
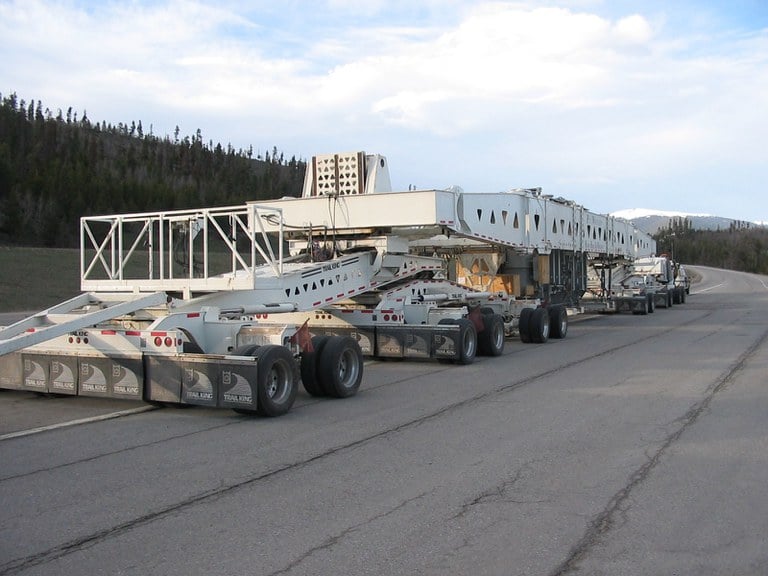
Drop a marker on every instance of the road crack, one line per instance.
(618, 505)
(336, 539)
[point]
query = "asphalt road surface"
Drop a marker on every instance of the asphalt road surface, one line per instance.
(636, 446)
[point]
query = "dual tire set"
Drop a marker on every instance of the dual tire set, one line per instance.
(333, 368)
(538, 325)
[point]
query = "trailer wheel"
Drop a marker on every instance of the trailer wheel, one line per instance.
(340, 367)
(651, 305)
(683, 292)
(539, 326)
(490, 342)
(523, 326)
(558, 322)
(309, 361)
(467, 341)
(644, 310)
(277, 380)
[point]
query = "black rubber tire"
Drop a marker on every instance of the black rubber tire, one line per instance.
(682, 296)
(558, 322)
(308, 367)
(340, 367)
(467, 341)
(651, 305)
(490, 342)
(277, 380)
(539, 325)
(524, 325)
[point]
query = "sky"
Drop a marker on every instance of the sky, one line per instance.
(614, 104)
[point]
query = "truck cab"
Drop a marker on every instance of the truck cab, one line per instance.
(682, 280)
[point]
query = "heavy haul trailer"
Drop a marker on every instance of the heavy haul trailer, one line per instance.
(204, 307)
(523, 255)
(171, 307)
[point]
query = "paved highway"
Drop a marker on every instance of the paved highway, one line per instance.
(636, 446)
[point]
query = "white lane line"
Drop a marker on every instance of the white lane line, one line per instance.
(710, 288)
(109, 416)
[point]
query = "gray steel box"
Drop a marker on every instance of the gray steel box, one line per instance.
(11, 371)
(199, 382)
(365, 337)
(162, 378)
(36, 372)
(63, 374)
(112, 376)
(445, 342)
(238, 384)
(389, 343)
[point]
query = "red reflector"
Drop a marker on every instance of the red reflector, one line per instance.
(108, 332)
(157, 333)
(193, 315)
(168, 341)
(158, 341)
(133, 333)
(386, 317)
(30, 329)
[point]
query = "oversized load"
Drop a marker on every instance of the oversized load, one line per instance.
(233, 306)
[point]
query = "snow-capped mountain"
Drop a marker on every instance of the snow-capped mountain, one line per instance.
(651, 221)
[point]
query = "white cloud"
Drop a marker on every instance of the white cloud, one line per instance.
(558, 94)
(635, 29)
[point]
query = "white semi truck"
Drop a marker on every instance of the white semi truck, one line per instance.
(232, 307)
(648, 283)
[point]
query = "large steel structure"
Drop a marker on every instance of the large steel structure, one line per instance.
(232, 306)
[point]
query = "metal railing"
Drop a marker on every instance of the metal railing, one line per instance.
(201, 249)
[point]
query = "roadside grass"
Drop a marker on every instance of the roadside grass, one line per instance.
(33, 279)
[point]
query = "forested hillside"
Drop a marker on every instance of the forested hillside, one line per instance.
(741, 247)
(58, 166)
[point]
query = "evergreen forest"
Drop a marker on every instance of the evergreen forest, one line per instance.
(741, 247)
(58, 166)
